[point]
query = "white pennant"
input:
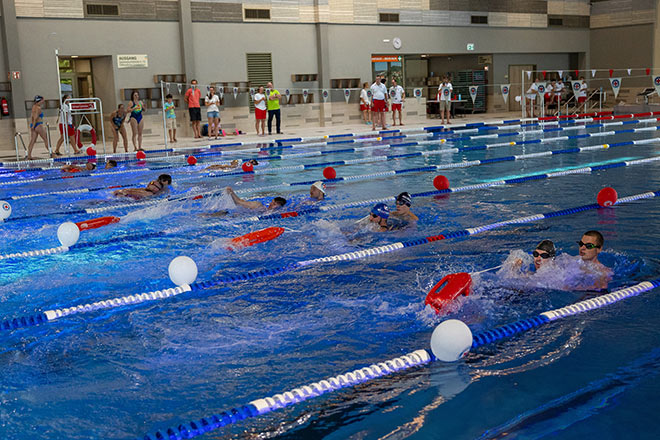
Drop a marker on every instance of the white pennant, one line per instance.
(593, 72)
(347, 94)
(628, 72)
(560, 72)
(505, 88)
(167, 87)
(418, 93)
(179, 87)
(616, 85)
(235, 90)
(473, 92)
(541, 86)
(529, 74)
(656, 84)
(305, 93)
(325, 94)
(221, 92)
(252, 93)
(287, 92)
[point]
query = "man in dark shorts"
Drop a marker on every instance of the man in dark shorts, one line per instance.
(192, 97)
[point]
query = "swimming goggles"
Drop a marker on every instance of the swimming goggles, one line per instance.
(544, 256)
(587, 245)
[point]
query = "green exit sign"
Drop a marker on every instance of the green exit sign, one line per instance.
(470, 46)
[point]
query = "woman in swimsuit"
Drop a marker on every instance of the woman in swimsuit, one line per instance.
(154, 187)
(117, 121)
(136, 108)
(37, 127)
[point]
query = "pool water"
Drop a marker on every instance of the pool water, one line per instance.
(133, 370)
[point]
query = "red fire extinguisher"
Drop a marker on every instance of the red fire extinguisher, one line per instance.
(5, 106)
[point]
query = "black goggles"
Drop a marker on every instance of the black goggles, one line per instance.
(587, 245)
(544, 255)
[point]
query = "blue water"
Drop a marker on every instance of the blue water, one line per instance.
(126, 372)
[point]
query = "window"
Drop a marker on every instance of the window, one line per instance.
(102, 10)
(479, 19)
(257, 14)
(555, 21)
(389, 18)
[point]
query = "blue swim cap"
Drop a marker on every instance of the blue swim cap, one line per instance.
(381, 210)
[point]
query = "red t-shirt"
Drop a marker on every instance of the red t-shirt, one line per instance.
(193, 97)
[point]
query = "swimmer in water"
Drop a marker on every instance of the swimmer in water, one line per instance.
(155, 187)
(544, 251)
(110, 164)
(276, 203)
(317, 191)
(589, 247)
(233, 165)
(403, 212)
(379, 215)
(90, 166)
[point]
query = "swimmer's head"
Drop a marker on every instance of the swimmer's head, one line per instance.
(317, 190)
(38, 98)
(380, 211)
(165, 179)
(590, 245)
(544, 251)
(277, 202)
(111, 164)
(90, 166)
(404, 199)
(253, 161)
(135, 96)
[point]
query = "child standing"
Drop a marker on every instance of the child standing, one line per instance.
(170, 117)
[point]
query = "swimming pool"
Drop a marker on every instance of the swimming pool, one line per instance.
(133, 370)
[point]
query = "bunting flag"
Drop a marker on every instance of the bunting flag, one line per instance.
(325, 94)
(593, 72)
(656, 84)
(616, 85)
(504, 88)
(179, 87)
(167, 87)
(287, 92)
(417, 92)
(544, 73)
(208, 89)
(221, 92)
(560, 72)
(541, 86)
(235, 90)
(611, 72)
(648, 71)
(252, 93)
(575, 85)
(577, 74)
(473, 92)
(629, 71)
(529, 74)
(347, 94)
(305, 93)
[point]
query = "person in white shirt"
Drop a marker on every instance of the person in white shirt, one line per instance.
(530, 96)
(398, 96)
(212, 102)
(365, 103)
(559, 90)
(549, 96)
(66, 127)
(379, 106)
(260, 111)
(444, 99)
(582, 91)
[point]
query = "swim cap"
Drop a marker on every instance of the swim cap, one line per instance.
(320, 186)
(548, 246)
(404, 199)
(381, 210)
(38, 98)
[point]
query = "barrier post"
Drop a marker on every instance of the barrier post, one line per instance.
(162, 107)
(87, 106)
(522, 95)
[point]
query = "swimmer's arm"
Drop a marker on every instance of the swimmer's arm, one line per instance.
(243, 203)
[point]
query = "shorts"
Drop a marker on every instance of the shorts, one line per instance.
(70, 130)
(364, 107)
(195, 113)
(213, 115)
(531, 97)
(396, 107)
(171, 123)
(378, 106)
(445, 105)
(259, 114)
(547, 97)
(581, 99)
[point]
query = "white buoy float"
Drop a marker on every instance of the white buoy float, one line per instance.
(182, 271)
(451, 340)
(68, 234)
(5, 210)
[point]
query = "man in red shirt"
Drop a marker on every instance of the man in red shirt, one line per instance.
(192, 97)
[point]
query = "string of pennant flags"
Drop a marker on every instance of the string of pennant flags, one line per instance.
(615, 83)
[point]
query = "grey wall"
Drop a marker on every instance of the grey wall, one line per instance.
(623, 47)
(543, 61)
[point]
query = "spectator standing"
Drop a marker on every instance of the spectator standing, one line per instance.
(273, 106)
(117, 121)
(260, 111)
(444, 99)
(398, 97)
(37, 128)
(212, 102)
(581, 94)
(378, 93)
(192, 97)
(170, 117)
(135, 109)
(365, 103)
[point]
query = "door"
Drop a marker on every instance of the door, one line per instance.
(515, 78)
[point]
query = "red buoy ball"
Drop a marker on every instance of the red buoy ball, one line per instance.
(607, 197)
(141, 155)
(192, 160)
(247, 167)
(91, 151)
(441, 182)
(329, 173)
